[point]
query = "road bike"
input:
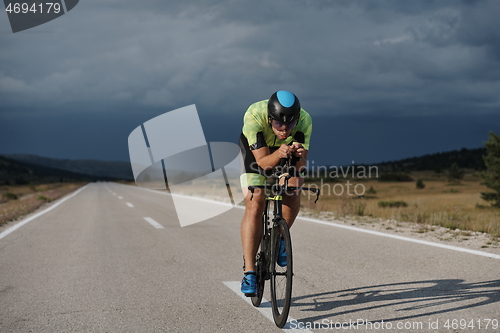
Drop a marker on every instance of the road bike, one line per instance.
(274, 232)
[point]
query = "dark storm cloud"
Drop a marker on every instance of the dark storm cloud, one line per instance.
(396, 56)
(342, 58)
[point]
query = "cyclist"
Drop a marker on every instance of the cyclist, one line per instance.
(273, 129)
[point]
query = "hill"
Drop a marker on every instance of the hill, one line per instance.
(99, 169)
(17, 173)
(398, 170)
(465, 158)
(52, 168)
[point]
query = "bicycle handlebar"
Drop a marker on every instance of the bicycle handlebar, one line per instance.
(285, 163)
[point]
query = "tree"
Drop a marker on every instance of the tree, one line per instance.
(455, 174)
(492, 174)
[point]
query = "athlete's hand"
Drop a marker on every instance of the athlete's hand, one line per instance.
(284, 151)
(297, 149)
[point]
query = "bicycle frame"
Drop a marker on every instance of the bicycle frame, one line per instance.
(268, 227)
(275, 196)
(266, 257)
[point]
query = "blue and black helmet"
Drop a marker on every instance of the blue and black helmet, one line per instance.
(284, 107)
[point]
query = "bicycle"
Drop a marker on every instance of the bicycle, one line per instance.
(266, 265)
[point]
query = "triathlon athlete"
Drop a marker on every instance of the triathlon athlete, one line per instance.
(272, 129)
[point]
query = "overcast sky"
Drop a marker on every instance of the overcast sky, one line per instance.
(383, 80)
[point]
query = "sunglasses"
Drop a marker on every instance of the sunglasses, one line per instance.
(279, 125)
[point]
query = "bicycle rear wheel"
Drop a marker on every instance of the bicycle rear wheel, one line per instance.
(281, 276)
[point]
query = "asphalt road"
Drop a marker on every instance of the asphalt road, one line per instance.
(95, 264)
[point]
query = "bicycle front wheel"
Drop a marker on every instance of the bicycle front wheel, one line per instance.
(281, 272)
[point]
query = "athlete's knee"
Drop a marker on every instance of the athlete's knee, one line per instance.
(292, 201)
(254, 210)
(292, 196)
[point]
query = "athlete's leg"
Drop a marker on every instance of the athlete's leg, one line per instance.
(291, 201)
(251, 227)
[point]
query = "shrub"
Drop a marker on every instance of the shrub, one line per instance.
(10, 196)
(420, 184)
(455, 174)
(33, 187)
(371, 190)
(492, 175)
(352, 206)
(392, 204)
(43, 198)
(395, 177)
(359, 207)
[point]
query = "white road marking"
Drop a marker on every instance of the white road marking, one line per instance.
(31, 218)
(153, 223)
(120, 198)
(130, 205)
(376, 233)
(265, 308)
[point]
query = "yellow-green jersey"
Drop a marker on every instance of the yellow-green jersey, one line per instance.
(256, 121)
(257, 133)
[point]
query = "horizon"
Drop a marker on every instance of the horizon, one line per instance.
(310, 163)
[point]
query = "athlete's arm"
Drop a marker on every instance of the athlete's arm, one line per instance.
(266, 160)
(300, 151)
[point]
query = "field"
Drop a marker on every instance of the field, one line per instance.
(439, 203)
(19, 200)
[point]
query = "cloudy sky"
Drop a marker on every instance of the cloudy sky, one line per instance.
(383, 80)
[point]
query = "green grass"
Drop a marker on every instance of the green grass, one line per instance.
(392, 204)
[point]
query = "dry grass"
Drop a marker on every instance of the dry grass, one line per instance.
(454, 206)
(29, 198)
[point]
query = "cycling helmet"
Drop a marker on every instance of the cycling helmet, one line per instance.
(284, 107)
